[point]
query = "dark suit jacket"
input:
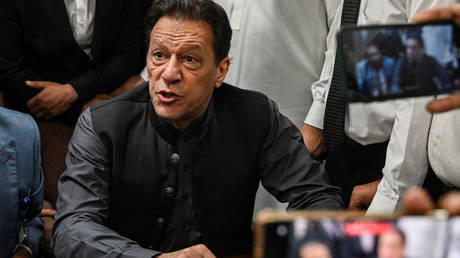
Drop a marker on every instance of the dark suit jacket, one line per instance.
(37, 43)
(427, 76)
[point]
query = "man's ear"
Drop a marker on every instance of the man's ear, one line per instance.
(222, 70)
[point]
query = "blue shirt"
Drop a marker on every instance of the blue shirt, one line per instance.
(21, 183)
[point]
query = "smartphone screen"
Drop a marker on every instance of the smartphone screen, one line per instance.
(363, 237)
(394, 61)
(345, 239)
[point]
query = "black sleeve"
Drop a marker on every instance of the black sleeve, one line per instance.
(125, 58)
(13, 72)
(83, 204)
(288, 171)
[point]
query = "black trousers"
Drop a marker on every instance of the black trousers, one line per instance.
(355, 164)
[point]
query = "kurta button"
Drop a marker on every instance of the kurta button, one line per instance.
(183, 227)
(175, 158)
(160, 222)
(169, 191)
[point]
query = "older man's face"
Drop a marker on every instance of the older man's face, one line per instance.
(182, 69)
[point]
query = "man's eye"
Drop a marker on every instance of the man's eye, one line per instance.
(190, 59)
(158, 55)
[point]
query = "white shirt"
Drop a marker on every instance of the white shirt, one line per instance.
(430, 140)
(444, 147)
(278, 48)
(371, 122)
(81, 16)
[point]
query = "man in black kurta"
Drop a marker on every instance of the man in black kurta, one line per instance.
(173, 166)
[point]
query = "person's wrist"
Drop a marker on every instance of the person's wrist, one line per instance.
(73, 95)
(22, 253)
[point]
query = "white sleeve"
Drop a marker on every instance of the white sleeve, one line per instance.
(407, 158)
(320, 88)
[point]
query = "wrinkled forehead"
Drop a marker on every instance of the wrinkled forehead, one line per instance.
(181, 32)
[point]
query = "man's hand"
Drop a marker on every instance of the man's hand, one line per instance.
(196, 251)
(444, 104)
(362, 195)
(21, 253)
(53, 99)
(448, 12)
(314, 140)
(451, 12)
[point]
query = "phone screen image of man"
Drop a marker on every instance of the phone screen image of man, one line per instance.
(389, 62)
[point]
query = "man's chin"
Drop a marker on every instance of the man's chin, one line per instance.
(170, 116)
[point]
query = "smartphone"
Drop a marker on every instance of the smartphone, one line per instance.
(380, 62)
(351, 234)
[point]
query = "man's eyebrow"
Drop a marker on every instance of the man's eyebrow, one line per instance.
(193, 47)
(157, 43)
(185, 47)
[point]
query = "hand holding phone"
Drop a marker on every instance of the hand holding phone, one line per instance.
(446, 12)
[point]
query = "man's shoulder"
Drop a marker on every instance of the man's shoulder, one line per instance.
(13, 122)
(430, 60)
(139, 94)
(229, 94)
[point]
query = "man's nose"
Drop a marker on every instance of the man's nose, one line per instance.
(172, 72)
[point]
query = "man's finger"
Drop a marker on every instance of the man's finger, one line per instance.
(354, 204)
(40, 115)
(417, 201)
(45, 115)
(33, 102)
(48, 213)
(451, 202)
(443, 13)
(38, 84)
(35, 107)
(444, 104)
(40, 109)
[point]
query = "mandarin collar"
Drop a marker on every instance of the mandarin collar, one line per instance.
(168, 132)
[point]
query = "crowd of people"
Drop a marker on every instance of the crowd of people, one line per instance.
(172, 114)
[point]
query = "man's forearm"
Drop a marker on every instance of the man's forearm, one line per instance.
(79, 236)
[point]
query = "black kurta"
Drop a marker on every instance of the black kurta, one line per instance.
(131, 174)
